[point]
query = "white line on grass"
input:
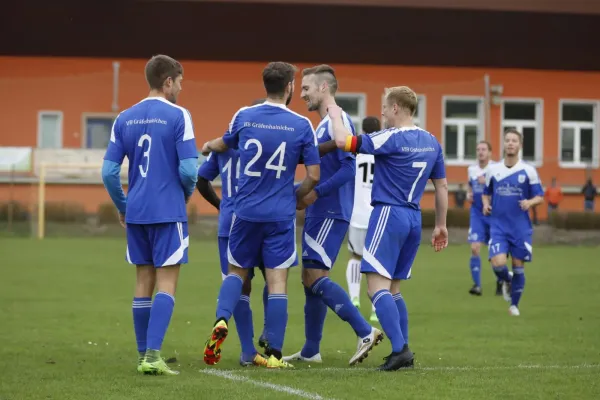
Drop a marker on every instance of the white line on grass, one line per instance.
(441, 368)
(279, 388)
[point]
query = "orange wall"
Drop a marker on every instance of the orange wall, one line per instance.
(213, 91)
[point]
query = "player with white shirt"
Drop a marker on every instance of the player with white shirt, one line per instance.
(357, 233)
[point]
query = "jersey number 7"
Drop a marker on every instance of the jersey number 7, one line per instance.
(417, 164)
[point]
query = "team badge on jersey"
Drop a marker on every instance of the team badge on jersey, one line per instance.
(522, 178)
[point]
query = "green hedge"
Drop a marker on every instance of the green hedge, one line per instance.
(457, 218)
(18, 211)
(575, 220)
(64, 212)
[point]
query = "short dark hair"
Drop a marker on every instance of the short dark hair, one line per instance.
(325, 72)
(371, 124)
(161, 67)
(488, 144)
(514, 131)
(276, 76)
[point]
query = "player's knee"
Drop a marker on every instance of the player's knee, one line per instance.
(376, 282)
(247, 287)
(499, 260)
(355, 256)
(475, 249)
(518, 263)
(166, 279)
(311, 275)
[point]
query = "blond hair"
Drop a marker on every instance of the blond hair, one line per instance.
(403, 97)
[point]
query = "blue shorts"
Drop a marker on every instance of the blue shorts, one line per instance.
(479, 228)
(321, 241)
(223, 243)
(393, 238)
(272, 244)
(518, 246)
(157, 244)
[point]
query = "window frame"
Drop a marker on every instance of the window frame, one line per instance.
(85, 116)
(594, 125)
(60, 116)
(538, 124)
(460, 160)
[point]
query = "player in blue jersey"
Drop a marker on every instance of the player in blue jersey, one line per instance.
(157, 137)
(479, 227)
(406, 158)
(512, 188)
(270, 139)
(328, 212)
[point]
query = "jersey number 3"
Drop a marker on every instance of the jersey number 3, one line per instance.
(145, 137)
(279, 167)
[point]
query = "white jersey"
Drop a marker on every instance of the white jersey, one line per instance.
(365, 168)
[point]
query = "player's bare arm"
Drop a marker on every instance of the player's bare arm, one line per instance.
(487, 206)
(527, 204)
(313, 174)
(340, 133)
(439, 239)
(207, 191)
(217, 145)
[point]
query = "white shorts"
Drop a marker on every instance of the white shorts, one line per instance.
(356, 240)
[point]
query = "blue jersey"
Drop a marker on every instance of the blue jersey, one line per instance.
(477, 184)
(405, 158)
(154, 135)
(227, 164)
(270, 138)
(339, 202)
(508, 186)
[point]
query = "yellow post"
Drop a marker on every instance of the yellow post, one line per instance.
(41, 201)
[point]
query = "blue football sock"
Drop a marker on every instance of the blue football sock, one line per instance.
(338, 300)
(242, 314)
(229, 295)
(389, 318)
(476, 270)
(265, 302)
(403, 313)
(315, 311)
(141, 315)
(502, 273)
(277, 317)
(518, 285)
(160, 316)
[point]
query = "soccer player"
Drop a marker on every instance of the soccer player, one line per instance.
(357, 233)
(270, 139)
(479, 228)
(514, 187)
(328, 212)
(227, 165)
(406, 158)
(157, 136)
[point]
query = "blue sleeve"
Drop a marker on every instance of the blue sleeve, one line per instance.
(115, 151)
(184, 137)
(377, 143)
(188, 174)
(111, 176)
(439, 169)
(209, 169)
(232, 136)
(345, 174)
(535, 185)
(310, 146)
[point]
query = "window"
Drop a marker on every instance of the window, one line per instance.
(50, 126)
(96, 128)
(525, 116)
(463, 128)
(420, 115)
(355, 105)
(578, 134)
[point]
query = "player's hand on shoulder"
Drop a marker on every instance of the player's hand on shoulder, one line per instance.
(122, 220)
(439, 238)
(334, 111)
(469, 196)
